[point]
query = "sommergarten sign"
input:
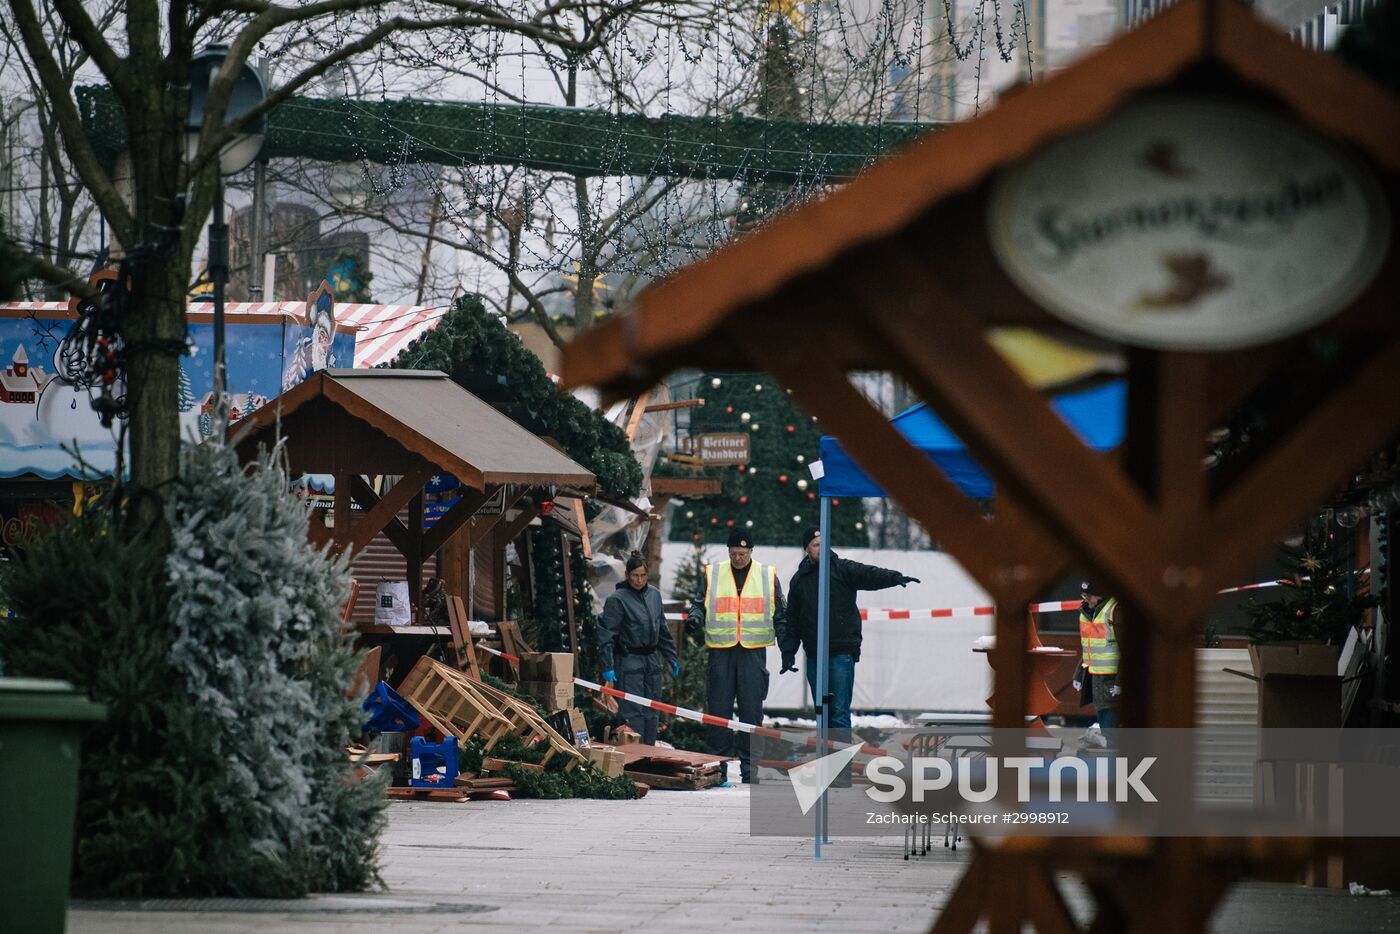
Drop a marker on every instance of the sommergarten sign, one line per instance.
(1191, 224)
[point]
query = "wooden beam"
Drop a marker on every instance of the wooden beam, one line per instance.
(1012, 430)
(684, 486)
(517, 525)
(672, 406)
(317, 533)
(796, 359)
(413, 557)
(452, 520)
(340, 517)
(481, 526)
(382, 513)
(394, 530)
(639, 408)
(581, 521)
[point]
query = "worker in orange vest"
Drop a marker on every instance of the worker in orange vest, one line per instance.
(1097, 679)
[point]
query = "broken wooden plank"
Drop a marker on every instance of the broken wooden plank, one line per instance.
(499, 765)
(426, 794)
(675, 782)
(462, 637)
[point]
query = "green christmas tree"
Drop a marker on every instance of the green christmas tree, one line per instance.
(773, 496)
(224, 665)
(1319, 600)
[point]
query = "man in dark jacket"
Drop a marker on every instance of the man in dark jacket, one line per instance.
(847, 577)
(632, 641)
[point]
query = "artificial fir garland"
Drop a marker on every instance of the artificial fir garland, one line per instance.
(480, 354)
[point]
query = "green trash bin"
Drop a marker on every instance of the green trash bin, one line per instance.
(41, 730)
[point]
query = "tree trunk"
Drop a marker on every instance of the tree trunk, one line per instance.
(155, 327)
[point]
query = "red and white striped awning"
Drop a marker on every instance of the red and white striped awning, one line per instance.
(381, 331)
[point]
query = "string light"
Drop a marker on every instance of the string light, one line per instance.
(525, 222)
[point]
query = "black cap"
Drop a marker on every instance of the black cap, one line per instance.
(739, 538)
(811, 533)
(1087, 586)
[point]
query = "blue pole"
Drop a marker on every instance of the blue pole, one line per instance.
(823, 660)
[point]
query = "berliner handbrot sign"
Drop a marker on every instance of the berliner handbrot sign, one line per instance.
(1191, 224)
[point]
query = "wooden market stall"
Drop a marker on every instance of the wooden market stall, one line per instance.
(1203, 191)
(413, 425)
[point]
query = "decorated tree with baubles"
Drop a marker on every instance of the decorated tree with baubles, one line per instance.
(1318, 599)
(773, 495)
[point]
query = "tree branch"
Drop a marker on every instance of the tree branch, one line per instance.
(80, 151)
(90, 39)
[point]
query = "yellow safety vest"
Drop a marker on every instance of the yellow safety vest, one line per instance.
(733, 618)
(1097, 639)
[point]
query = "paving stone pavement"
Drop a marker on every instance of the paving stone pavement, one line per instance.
(674, 862)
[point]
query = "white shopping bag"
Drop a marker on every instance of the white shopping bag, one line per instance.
(391, 604)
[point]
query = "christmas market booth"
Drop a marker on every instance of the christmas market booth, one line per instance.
(1202, 192)
(419, 476)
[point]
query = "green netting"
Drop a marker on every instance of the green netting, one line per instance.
(571, 140)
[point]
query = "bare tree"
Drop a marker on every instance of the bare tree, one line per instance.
(144, 54)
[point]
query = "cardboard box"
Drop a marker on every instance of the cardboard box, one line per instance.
(1298, 685)
(547, 666)
(1293, 658)
(551, 695)
(608, 760)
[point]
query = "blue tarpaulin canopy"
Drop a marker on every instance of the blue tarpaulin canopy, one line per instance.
(1097, 415)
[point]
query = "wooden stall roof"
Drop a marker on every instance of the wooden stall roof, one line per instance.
(423, 413)
(679, 321)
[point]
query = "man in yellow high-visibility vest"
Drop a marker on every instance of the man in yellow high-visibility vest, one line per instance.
(1098, 664)
(740, 606)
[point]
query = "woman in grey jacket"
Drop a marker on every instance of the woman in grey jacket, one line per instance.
(632, 641)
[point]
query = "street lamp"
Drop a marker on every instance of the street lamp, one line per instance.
(235, 156)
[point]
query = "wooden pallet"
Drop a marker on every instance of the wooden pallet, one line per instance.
(454, 704)
(531, 727)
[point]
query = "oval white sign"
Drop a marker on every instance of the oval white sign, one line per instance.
(1190, 224)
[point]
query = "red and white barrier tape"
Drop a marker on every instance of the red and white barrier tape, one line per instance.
(965, 612)
(685, 713)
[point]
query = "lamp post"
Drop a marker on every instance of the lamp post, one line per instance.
(248, 92)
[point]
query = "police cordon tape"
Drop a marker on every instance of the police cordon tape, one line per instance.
(803, 739)
(685, 713)
(963, 612)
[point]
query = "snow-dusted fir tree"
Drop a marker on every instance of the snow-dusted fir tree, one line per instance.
(187, 400)
(259, 650)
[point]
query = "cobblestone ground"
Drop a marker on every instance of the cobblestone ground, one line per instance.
(672, 862)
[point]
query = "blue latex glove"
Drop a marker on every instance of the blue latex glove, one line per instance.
(675, 669)
(610, 677)
(910, 580)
